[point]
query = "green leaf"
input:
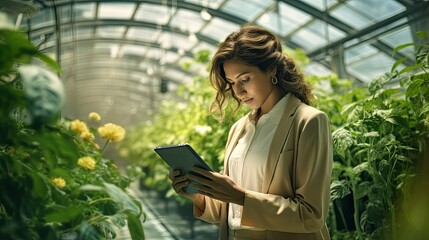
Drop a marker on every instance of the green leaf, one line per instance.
(106, 227)
(15, 48)
(49, 61)
(421, 34)
(88, 232)
(362, 190)
(135, 226)
(383, 113)
(425, 110)
(402, 47)
(117, 194)
(40, 187)
(409, 68)
(347, 107)
(57, 147)
(404, 158)
(412, 90)
(121, 197)
(339, 189)
(119, 220)
(62, 214)
(362, 151)
(360, 168)
(397, 63)
(392, 121)
(371, 134)
(376, 211)
(408, 148)
(89, 187)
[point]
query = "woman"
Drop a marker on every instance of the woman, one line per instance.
(278, 158)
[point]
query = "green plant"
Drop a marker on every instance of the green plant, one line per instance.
(54, 179)
(379, 146)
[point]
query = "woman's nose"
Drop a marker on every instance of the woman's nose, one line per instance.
(239, 88)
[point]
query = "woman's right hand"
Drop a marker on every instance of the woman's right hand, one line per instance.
(180, 182)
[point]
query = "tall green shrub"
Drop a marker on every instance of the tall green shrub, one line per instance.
(379, 145)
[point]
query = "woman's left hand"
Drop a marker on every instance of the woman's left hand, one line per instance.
(217, 186)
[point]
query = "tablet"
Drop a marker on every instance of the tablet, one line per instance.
(182, 157)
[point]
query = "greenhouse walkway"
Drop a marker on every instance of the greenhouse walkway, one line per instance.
(165, 220)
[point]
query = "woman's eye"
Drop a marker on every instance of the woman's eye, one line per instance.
(245, 80)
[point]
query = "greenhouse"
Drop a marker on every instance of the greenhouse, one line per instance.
(311, 115)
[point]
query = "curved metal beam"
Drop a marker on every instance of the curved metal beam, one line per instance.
(121, 22)
(170, 4)
(84, 59)
(379, 45)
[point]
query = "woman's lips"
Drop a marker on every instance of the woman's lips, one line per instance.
(247, 101)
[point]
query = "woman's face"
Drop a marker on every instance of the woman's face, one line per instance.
(252, 86)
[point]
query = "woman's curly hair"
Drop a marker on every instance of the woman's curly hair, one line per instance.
(258, 47)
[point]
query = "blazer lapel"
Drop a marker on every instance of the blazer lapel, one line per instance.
(233, 142)
(223, 228)
(278, 141)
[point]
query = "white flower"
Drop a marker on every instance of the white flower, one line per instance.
(203, 129)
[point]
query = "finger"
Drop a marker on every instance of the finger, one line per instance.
(206, 189)
(207, 194)
(179, 179)
(173, 174)
(201, 171)
(180, 187)
(203, 189)
(202, 180)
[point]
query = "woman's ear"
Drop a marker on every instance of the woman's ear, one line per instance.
(273, 72)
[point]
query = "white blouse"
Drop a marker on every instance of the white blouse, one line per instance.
(247, 161)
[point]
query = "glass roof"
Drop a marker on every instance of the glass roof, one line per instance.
(114, 54)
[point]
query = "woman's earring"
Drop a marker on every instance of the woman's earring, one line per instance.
(274, 80)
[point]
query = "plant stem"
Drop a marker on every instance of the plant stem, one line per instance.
(101, 199)
(356, 213)
(105, 145)
(355, 199)
(333, 217)
(392, 219)
(96, 219)
(343, 219)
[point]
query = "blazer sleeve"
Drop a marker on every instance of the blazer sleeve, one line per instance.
(211, 213)
(306, 212)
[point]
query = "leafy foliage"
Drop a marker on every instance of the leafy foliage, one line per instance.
(46, 193)
(378, 142)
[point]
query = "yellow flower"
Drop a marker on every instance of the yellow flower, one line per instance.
(88, 136)
(86, 162)
(78, 126)
(59, 182)
(112, 132)
(94, 116)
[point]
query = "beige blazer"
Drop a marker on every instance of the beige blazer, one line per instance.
(295, 193)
